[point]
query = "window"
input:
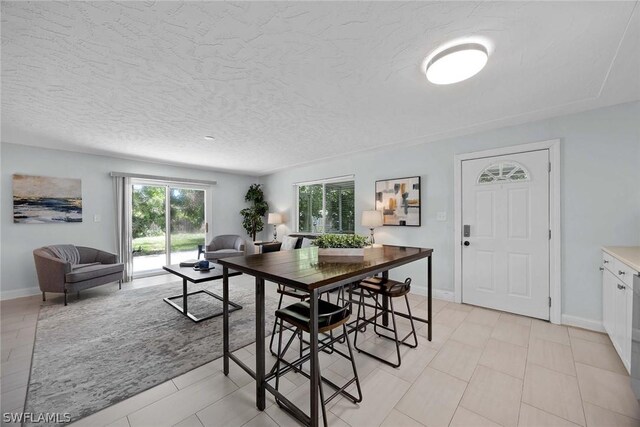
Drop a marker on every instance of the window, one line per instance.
(503, 172)
(326, 206)
(310, 208)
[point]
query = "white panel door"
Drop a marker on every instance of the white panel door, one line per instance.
(505, 257)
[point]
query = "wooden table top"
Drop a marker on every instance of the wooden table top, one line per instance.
(195, 276)
(304, 269)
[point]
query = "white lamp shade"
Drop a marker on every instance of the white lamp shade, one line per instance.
(372, 219)
(274, 218)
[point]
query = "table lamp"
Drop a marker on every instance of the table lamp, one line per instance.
(274, 219)
(371, 220)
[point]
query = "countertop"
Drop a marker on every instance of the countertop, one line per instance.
(629, 255)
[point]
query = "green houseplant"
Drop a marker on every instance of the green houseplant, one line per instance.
(253, 216)
(341, 244)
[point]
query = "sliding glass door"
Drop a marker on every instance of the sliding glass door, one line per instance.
(168, 223)
(148, 227)
(187, 223)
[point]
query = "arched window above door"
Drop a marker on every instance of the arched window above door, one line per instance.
(503, 172)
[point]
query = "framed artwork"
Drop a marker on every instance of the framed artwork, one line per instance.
(399, 201)
(42, 199)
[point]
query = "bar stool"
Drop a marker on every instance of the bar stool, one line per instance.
(374, 288)
(330, 317)
(300, 295)
(293, 293)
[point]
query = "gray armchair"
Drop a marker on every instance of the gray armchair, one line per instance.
(224, 246)
(95, 268)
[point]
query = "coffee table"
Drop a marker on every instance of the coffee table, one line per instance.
(188, 274)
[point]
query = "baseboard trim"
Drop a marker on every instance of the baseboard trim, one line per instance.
(436, 293)
(443, 295)
(581, 322)
(19, 293)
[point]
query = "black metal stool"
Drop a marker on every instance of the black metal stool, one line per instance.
(330, 317)
(374, 287)
(293, 293)
(300, 295)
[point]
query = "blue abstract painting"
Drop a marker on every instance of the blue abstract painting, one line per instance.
(42, 199)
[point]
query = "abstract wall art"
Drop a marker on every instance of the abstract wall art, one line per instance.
(42, 199)
(399, 201)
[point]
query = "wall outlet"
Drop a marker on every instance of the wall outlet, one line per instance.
(97, 218)
(441, 216)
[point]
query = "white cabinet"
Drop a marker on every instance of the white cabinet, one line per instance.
(617, 302)
(608, 302)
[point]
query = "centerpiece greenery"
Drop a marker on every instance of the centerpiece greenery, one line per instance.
(253, 216)
(326, 241)
(341, 244)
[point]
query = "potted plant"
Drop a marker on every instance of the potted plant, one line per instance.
(340, 244)
(253, 216)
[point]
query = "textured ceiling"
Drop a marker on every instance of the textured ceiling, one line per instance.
(283, 83)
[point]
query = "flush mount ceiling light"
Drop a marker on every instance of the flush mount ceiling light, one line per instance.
(456, 63)
(209, 138)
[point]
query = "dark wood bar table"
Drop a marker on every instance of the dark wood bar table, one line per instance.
(304, 270)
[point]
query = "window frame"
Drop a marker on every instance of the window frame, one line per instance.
(323, 182)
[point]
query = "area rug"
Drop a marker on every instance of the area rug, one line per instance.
(103, 349)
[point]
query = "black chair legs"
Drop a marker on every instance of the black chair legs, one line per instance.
(296, 366)
(335, 316)
(273, 332)
(362, 321)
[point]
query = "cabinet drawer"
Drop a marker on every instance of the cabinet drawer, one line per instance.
(624, 273)
(607, 262)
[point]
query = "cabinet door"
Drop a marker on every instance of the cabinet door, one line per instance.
(608, 300)
(620, 319)
(626, 328)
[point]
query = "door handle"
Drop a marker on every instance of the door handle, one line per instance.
(601, 268)
(622, 287)
(621, 273)
(466, 243)
(206, 227)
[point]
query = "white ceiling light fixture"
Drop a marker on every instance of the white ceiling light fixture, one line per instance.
(456, 63)
(209, 138)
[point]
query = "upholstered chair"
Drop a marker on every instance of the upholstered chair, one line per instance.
(94, 268)
(224, 246)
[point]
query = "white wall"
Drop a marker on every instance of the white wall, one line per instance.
(600, 193)
(18, 275)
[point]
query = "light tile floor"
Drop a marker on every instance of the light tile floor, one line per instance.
(483, 368)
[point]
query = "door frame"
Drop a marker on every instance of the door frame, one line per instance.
(555, 243)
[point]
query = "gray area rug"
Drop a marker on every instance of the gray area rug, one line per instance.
(103, 349)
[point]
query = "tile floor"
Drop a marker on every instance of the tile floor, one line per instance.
(483, 368)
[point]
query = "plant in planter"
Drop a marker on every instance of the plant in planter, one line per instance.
(253, 216)
(341, 244)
